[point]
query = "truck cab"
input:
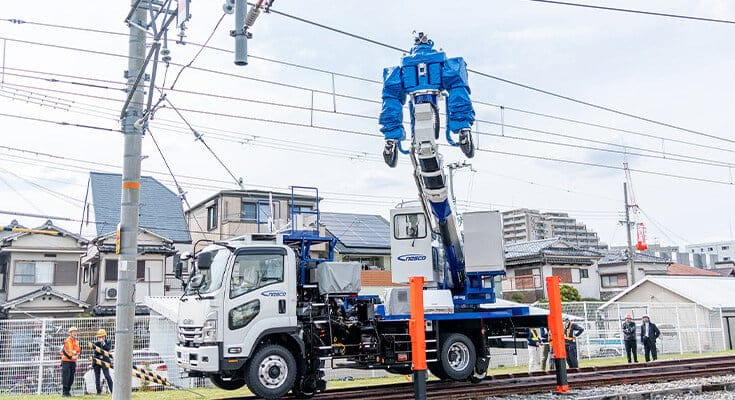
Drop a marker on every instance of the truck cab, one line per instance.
(241, 307)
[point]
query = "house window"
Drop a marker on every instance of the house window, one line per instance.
(34, 272)
(255, 212)
(710, 249)
(211, 217)
(584, 273)
(725, 247)
(564, 273)
(85, 274)
(110, 270)
(614, 281)
(65, 273)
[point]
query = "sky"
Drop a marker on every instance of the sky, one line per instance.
(304, 110)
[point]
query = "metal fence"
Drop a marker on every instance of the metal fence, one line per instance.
(30, 361)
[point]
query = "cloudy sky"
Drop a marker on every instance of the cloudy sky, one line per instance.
(276, 123)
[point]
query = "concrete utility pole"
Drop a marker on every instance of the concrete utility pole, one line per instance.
(129, 206)
(631, 252)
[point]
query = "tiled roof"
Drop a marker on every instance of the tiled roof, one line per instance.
(12, 224)
(160, 208)
(681, 269)
(47, 226)
(358, 230)
(546, 247)
(44, 291)
(621, 257)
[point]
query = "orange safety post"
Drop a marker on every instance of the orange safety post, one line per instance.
(416, 328)
(556, 331)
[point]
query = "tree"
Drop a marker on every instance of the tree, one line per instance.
(568, 293)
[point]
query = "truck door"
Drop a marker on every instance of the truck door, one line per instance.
(258, 298)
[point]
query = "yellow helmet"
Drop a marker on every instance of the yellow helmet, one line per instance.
(101, 333)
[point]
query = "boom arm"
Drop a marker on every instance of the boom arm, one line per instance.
(433, 191)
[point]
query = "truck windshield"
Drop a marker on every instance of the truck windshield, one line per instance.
(213, 276)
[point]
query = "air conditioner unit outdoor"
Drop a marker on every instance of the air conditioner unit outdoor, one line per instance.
(111, 293)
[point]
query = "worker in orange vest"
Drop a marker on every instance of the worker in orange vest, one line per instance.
(69, 354)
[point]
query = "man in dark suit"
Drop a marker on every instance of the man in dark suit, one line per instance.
(649, 334)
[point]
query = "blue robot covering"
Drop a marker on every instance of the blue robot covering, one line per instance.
(424, 74)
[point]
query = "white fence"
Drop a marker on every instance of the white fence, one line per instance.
(30, 362)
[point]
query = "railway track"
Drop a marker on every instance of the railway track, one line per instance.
(540, 382)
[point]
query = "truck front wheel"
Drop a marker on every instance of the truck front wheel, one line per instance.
(271, 372)
(236, 382)
(457, 357)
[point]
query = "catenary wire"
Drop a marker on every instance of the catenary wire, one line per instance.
(375, 101)
(632, 11)
(518, 84)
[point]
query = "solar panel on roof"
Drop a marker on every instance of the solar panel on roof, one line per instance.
(358, 230)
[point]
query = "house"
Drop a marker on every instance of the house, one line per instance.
(614, 268)
(529, 263)
(161, 228)
(360, 237)
(40, 271)
(704, 314)
(231, 213)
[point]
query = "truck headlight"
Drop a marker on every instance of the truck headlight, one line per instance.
(209, 331)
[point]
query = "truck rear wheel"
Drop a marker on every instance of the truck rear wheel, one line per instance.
(457, 357)
(233, 384)
(271, 372)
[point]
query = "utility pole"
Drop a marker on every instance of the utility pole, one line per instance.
(451, 167)
(129, 205)
(631, 252)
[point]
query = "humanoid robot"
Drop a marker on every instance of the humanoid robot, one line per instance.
(424, 75)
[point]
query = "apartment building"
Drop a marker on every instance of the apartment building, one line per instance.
(525, 224)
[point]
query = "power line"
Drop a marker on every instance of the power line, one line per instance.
(198, 52)
(63, 123)
(479, 120)
(312, 109)
(627, 10)
(508, 81)
(702, 161)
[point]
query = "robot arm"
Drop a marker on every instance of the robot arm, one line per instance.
(460, 114)
(391, 115)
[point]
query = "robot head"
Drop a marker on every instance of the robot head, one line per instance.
(420, 38)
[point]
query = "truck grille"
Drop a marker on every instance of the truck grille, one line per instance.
(190, 335)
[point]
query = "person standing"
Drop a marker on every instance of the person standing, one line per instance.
(69, 354)
(103, 344)
(545, 348)
(629, 338)
(571, 333)
(534, 349)
(649, 334)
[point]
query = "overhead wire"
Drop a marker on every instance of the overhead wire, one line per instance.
(632, 11)
(376, 101)
(668, 156)
(376, 135)
(514, 83)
